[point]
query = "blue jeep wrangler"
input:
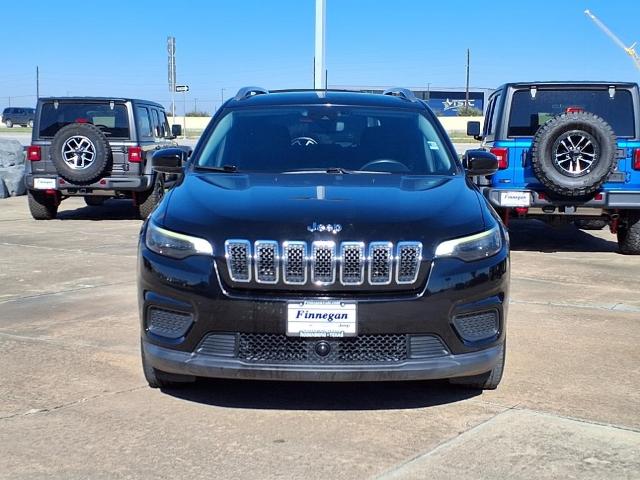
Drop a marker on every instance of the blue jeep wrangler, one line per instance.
(568, 152)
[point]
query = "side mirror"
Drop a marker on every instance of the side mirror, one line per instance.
(473, 129)
(479, 162)
(169, 160)
(176, 130)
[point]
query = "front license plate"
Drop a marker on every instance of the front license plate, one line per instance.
(515, 199)
(44, 183)
(322, 318)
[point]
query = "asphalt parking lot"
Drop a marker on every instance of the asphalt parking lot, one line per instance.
(74, 404)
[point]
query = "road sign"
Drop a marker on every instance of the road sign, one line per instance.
(182, 88)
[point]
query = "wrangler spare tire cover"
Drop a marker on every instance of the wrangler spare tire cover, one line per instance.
(80, 153)
(574, 153)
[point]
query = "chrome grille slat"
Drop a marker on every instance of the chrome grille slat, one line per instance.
(238, 253)
(323, 262)
(352, 263)
(380, 261)
(294, 264)
(409, 256)
(347, 263)
(266, 261)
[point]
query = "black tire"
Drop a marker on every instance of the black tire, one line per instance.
(590, 224)
(629, 234)
(8, 123)
(159, 379)
(95, 200)
(41, 205)
(600, 147)
(485, 381)
(98, 148)
(148, 200)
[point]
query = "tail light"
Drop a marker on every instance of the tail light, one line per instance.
(503, 157)
(34, 153)
(636, 159)
(135, 154)
(574, 109)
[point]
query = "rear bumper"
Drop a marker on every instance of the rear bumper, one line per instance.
(104, 186)
(610, 199)
(200, 365)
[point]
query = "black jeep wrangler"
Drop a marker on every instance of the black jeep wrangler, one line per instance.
(96, 148)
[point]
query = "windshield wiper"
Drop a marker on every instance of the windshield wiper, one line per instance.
(332, 170)
(224, 168)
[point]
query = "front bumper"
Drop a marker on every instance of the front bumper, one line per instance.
(185, 363)
(104, 186)
(193, 288)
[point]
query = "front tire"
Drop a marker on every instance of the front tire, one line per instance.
(41, 205)
(485, 381)
(629, 234)
(148, 200)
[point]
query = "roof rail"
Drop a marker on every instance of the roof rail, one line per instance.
(246, 92)
(401, 92)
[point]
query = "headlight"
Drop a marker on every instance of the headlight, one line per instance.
(175, 245)
(473, 247)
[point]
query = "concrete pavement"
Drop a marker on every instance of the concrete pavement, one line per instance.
(74, 404)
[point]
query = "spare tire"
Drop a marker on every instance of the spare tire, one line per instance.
(574, 153)
(80, 153)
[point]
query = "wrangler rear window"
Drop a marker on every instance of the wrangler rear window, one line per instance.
(113, 122)
(528, 113)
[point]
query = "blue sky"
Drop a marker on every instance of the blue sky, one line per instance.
(118, 47)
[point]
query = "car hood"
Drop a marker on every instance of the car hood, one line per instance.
(368, 207)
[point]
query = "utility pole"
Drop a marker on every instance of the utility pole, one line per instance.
(37, 83)
(171, 51)
(222, 96)
(466, 96)
(195, 104)
(320, 73)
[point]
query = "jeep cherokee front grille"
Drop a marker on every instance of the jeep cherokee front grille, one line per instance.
(278, 348)
(323, 262)
(238, 253)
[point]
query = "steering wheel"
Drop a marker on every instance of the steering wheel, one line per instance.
(303, 142)
(387, 164)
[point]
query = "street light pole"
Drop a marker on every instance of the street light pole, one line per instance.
(320, 74)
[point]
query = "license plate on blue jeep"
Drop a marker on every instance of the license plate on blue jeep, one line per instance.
(321, 318)
(515, 199)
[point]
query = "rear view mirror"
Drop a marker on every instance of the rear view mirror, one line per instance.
(176, 130)
(169, 160)
(473, 129)
(479, 162)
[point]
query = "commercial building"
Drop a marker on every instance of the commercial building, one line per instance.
(445, 102)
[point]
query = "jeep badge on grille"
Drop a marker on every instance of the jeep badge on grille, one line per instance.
(322, 227)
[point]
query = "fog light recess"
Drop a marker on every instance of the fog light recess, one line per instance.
(474, 327)
(168, 324)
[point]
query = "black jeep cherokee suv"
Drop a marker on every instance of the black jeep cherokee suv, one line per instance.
(96, 148)
(324, 236)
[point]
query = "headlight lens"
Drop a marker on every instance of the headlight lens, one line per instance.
(175, 245)
(473, 247)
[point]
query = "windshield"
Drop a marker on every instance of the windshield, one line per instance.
(336, 139)
(529, 113)
(112, 121)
